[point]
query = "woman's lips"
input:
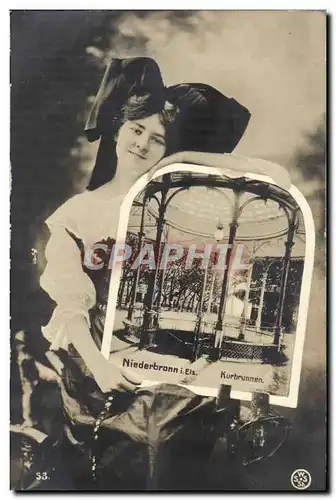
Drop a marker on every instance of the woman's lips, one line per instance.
(137, 154)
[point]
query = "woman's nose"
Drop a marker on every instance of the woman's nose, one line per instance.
(142, 142)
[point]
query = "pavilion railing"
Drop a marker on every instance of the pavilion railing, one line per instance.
(257, 346)
(186, 321)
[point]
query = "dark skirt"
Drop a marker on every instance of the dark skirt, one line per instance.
(157, 439)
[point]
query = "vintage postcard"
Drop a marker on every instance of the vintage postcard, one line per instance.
(212, 284)
(168, 326)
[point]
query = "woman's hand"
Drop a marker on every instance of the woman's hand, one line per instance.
(169, 160)
(230, 165)
(110, 377)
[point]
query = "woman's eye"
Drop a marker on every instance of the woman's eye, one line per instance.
(137, 131)
(159, 141)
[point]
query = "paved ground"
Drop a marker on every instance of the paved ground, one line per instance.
(202, 373)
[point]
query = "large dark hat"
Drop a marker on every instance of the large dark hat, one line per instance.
(212, 122)
(209, 121)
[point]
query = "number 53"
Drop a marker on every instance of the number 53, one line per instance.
(41, 476)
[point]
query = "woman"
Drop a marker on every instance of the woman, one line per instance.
(137, 128)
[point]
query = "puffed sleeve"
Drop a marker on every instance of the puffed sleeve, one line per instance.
(63, 278)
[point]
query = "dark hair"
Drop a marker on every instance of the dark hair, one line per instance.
(138, 106)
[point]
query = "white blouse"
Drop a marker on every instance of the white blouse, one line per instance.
(91, 216)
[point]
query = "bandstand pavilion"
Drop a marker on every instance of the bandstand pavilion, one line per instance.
(197, 209)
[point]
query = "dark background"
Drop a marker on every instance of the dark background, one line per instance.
(52, 76)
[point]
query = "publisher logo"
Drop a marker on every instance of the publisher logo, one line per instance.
(301, 479)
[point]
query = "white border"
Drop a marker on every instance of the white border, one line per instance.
(4, 213)
(292, 399)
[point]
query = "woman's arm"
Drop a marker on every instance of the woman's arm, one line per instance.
(79, 336)
(73, 291)
(228, 163)
(108, 376)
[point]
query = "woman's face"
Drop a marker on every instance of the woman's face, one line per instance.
(141, 143)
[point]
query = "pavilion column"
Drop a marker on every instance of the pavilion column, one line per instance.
(160, 280)
(160, 276)
(199, 316)
(262, 295)
(149, 319)
(213, 278)
(223, 297)
(284, 277)
(141, 236)
(241, 335)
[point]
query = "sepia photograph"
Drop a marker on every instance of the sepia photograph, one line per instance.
(168, 250)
